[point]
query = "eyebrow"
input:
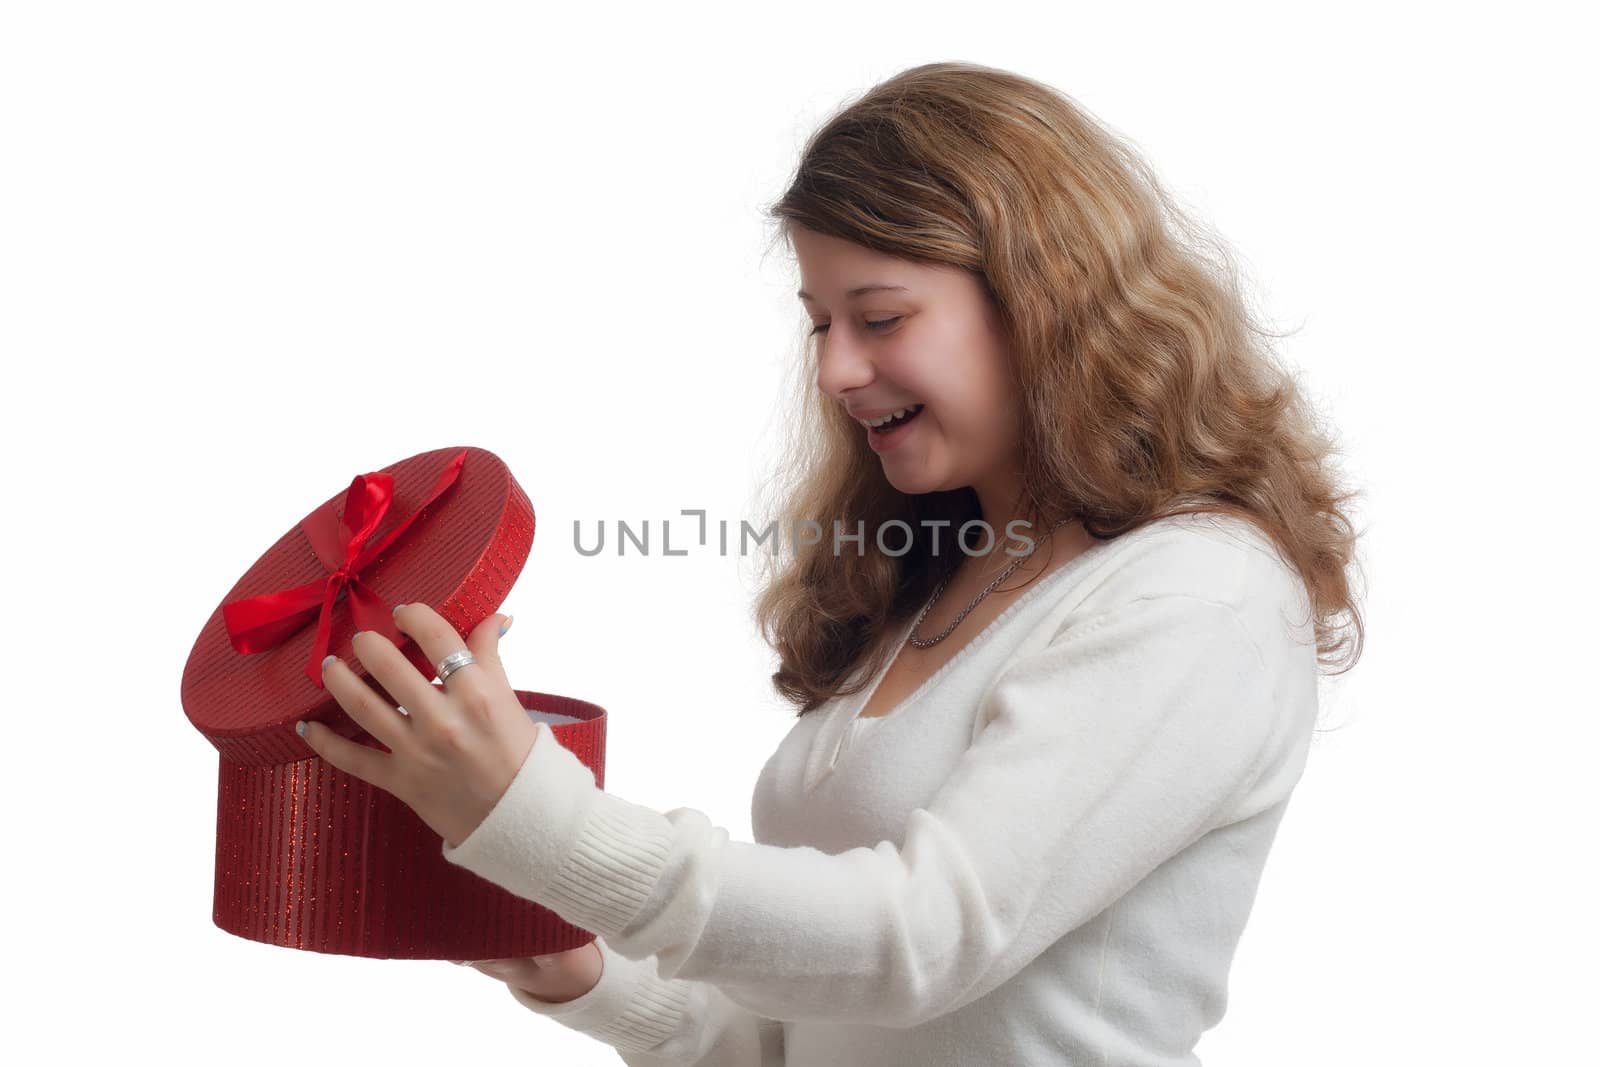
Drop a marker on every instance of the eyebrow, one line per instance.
(857, 291)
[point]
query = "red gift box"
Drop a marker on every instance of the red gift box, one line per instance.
(308, 856)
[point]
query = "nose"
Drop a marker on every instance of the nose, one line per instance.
(843, 364)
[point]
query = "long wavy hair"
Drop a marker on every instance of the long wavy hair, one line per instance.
(1148, 388)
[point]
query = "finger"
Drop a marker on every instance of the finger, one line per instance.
(370, 711)
(484, 641)
(397, 674)
(365, 763)
(437, 639)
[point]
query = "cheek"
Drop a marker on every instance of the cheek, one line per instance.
(980, 415)
(964, 384)
(971, 398)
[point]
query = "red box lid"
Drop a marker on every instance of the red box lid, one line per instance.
(454, 529)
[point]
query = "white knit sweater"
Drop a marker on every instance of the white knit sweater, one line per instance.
(1044, 855)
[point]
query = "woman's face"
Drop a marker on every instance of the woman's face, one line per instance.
(923, 336)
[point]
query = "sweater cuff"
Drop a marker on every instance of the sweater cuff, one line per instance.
(632, 1008)
(557, 839)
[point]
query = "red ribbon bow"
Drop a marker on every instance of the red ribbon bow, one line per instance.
(264, 622)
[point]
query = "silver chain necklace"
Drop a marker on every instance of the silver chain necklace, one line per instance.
(920, 642)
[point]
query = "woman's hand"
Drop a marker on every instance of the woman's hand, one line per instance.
(451, 753)
(554, 979)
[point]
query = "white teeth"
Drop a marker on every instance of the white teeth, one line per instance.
(891, 416)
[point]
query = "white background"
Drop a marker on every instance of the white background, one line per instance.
(247, 251)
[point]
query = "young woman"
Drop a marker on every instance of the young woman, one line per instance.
(1055, 658)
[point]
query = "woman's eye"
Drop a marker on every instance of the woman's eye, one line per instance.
(871, 324)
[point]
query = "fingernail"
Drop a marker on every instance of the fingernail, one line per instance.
(397, 608)
(300, 728)
(329, 658)
(505, 624)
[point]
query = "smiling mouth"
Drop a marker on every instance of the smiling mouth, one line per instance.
(894, 424)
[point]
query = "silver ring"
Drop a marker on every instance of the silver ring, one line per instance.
(454, 662)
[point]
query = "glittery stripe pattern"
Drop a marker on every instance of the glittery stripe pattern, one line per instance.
(309, 857)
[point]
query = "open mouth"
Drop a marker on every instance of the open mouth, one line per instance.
(894, 424)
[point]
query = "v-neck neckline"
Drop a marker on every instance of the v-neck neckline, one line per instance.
(977, 639)
(837, 727)
(840, 725)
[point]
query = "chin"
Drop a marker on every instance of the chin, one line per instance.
(915, 482)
